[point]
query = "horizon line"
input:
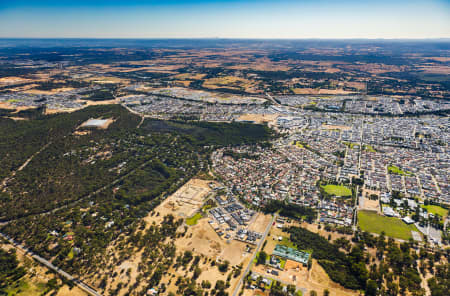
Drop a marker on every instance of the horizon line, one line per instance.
(225, 38)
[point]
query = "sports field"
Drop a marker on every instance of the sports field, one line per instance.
(436, 210)
(372, 222)
(337, 190)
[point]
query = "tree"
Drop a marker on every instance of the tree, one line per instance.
(371, 288)
(223, 267)
(262, 257)
(392, 288)
(291, 289)
(206, 284)
(197, 272)
(220, 285)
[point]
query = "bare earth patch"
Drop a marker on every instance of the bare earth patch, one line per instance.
(183, 203)
(259, 118)
(47, 92)
(333, 127)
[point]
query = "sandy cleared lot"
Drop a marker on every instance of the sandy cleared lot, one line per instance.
(319, 91)
(47, 92)
(333, 127)
(188, 199)
(315, 279)
(260, 223)
(102, 126)
(16, 118)
(202, 239)
(183, 203)
(106, 80)
(13, 80)
(6, 105)
(94, 103)
(371, 205)
(66, 291)
(259, 118)
(192, 76)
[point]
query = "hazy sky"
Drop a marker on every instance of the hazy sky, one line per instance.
(227, 19)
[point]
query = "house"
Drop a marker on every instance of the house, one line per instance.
(388, 211)
(267, 281)
(408, 220)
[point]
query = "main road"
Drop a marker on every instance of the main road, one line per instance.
(49, 265)
(261, 241)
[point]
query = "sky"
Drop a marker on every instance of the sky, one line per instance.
(296, 19)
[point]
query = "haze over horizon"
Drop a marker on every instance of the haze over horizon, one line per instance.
(265, 19)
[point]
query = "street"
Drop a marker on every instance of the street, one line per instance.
(261, 241)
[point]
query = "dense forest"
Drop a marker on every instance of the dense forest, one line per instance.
(22, 138)
(202, 133)
(69, 165)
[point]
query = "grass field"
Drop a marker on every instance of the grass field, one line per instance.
(25, 288)
(207, 207)
(287, 242)
(256, 258)
(436, 210)
(350, 145)
(337, 190)
(372, 222)
(194, 219)
(396, 170)
(369, 148)
(70, 255)
(282, 263)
